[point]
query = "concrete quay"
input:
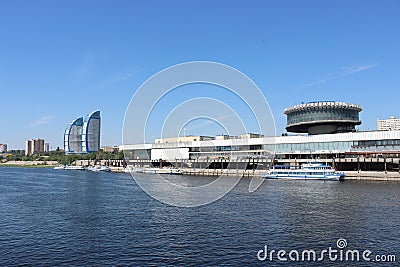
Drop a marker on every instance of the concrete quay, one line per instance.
(249, 169)
(372, 175)
(350, 175)
(219, 172)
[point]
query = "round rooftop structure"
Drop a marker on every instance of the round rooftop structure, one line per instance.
(322, 117)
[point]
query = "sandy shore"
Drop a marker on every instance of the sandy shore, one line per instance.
(30, 163)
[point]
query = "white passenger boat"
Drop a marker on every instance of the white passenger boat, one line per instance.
(133, 169)
(308, 171)
(163, 170)
(76, 168)
(59, 167)
(70, 167)
(98, 168)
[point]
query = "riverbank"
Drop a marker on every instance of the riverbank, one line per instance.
(350, 175)
(30, 164)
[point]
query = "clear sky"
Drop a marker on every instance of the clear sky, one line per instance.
(63, 59)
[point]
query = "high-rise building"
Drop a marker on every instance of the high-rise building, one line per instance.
(34, 146)
(46, 147)
(73, 137)
(91, 132)
(83, 135)
(3, 148)
(392, 124)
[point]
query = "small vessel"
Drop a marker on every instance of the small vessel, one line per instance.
(59, 167)
(163, 171)
(75, 168)
(130, 169)
(99, 168)
(69, 167)
(308, 171)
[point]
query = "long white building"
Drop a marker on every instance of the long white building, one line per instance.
(331, 133)
(292, 146)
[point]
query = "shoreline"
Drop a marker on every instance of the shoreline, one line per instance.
(27, 166)
(350, 175)
(30, 164)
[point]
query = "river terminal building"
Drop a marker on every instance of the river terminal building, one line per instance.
(319, 130)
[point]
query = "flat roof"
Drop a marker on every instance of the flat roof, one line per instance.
(290, 139)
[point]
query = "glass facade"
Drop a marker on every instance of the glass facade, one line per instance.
(376, 145)
(73, 137)
(287, 147)
(322, 117)
(144, 154)
(323, 114)
(310, 147)
(83, 136)
(91, 133)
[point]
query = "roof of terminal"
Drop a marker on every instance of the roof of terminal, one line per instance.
(322, 104)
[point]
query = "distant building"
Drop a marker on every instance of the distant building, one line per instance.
(225, 137)
(251, 135)
(34, 146)
(73, 137)
(3, 148)
(392, 124)
(91, 133)
(110, 149)
(83, 135)
(46, 147)
(182, 139)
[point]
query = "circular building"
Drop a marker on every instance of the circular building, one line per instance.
(322, 117)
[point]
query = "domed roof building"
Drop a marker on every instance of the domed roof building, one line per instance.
(322, 117)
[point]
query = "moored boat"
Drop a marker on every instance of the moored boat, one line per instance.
(69, 167)
(163, 171)
(308, 171)
(75, 168)
(59, 167)
(130, 169)
(98, 168)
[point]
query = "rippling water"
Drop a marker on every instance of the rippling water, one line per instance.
(50, 217)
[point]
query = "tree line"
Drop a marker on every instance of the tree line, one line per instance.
(61, 158)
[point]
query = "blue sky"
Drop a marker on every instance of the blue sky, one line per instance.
(63, 59)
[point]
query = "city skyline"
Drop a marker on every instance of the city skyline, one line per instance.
(54, 68)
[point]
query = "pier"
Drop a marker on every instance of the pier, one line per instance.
(359, 168)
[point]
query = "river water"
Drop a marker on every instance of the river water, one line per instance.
(50, 217)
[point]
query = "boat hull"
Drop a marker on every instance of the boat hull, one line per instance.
(336, 177)
(163, 171)
(59, 168)
(308, 171)
(99, 169)
(134, 170)
(70, 168)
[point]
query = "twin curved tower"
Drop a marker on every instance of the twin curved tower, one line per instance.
(83, 135)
